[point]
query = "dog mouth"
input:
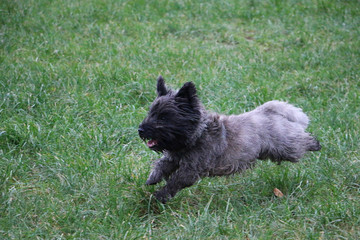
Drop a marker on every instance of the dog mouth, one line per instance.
(152, 143)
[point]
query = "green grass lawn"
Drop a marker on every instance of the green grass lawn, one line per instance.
(77, 77)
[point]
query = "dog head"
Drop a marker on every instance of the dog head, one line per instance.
(172, 119)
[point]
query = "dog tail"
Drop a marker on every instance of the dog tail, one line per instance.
(315, 145)
(286, 110)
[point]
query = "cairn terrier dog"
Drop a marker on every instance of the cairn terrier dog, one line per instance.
(196, 143)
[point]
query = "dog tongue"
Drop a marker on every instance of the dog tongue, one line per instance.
(151, 143)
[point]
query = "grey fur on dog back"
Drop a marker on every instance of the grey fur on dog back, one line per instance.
(196, 143)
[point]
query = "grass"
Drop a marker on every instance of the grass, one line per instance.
(77, 77)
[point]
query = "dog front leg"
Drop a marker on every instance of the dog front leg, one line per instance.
(163, 168)
(182, 178)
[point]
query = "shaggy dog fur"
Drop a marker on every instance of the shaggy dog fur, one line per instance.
(196, 143)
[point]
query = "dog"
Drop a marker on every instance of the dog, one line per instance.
(196, 143)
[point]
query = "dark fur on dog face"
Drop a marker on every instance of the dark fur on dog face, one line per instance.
(172, 118)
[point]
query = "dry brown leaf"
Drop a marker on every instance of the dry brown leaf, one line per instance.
(278, 193)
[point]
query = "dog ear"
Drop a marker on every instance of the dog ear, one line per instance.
(188, 91)
(161, 88)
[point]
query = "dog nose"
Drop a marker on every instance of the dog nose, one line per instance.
(140, 130)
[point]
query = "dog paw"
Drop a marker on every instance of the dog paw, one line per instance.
(162, 196)
(154, 178)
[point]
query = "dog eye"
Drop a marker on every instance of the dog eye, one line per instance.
(163, 117)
